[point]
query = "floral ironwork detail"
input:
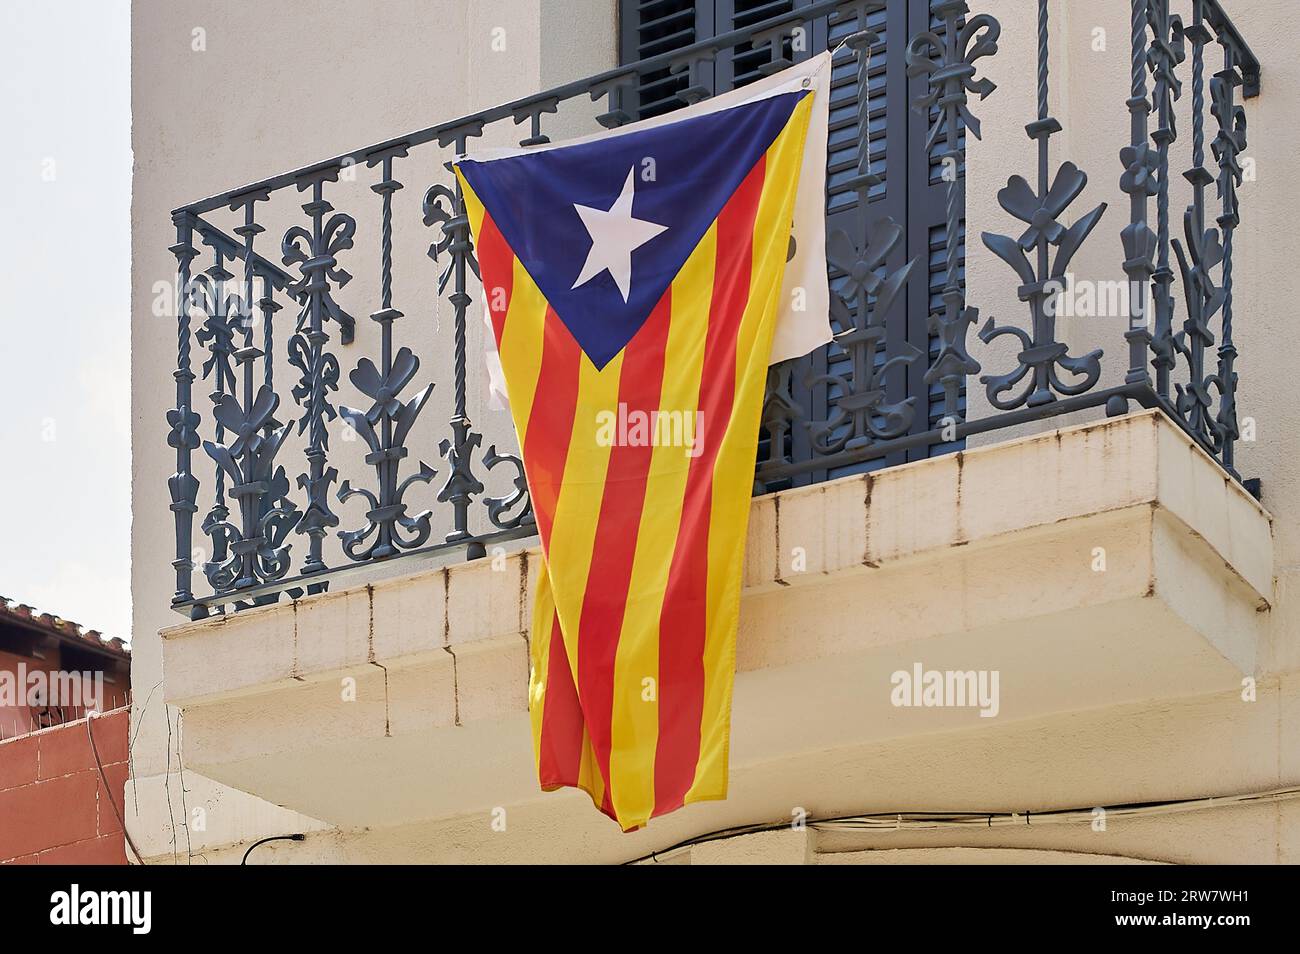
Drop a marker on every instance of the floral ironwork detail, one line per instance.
(384, 428)
(1165, 52)
(1196, 261)
(1041, 281)
(780, 410)
(859, 308)
(212, 293)
(1230, 142)
(1140, 181)
(1228, 146)
(948, 63)
(184, 431)
(315, 253)
(388, 422)
(257, 549)
(1042, 354)
(444, 208)
(499, 508)
(862, 413)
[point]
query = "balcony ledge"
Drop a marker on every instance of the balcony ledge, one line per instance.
(989, 559)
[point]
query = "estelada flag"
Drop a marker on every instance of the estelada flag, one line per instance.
(633, 282)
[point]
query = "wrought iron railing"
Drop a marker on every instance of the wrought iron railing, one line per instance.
(235, 461)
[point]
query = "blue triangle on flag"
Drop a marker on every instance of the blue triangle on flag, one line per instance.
(682, 174)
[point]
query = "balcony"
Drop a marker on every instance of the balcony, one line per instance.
(927, 461)
(279, 465)
(402, 704)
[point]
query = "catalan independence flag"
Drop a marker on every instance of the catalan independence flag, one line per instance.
(633, 283)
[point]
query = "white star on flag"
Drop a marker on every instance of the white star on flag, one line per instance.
(615, 235)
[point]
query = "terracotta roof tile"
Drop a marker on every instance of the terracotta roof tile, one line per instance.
(61, 627)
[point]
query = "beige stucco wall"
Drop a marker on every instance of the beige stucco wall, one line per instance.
(281, 84)
(224, 94)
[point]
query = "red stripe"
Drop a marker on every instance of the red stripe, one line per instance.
(497, 266)
(683, 624)
(546, 443)
(614, 547)
(546, 448)
(559, 756)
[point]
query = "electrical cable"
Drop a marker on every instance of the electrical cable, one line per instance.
(931, 821)
(263, 841)
(108, 791)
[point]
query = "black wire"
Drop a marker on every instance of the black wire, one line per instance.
(714, 836)
(299, 837)
(108, 790)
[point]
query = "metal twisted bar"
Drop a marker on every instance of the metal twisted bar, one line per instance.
(183, 422)
(445, 208)
(1166, 52)
(1228, 146)
(1139, 181)
(257, 552)
(386, 425)
(213, 295)
(1201, 254)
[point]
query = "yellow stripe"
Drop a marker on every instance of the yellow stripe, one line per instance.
(539, 649)
(473, 205)
(521, 346)
(577, 512)
(589, 778)
(733, 472)
(521, 335)
(635, 725)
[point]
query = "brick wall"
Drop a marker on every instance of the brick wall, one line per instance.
(53, 805)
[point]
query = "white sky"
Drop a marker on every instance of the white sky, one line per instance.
(65, 190)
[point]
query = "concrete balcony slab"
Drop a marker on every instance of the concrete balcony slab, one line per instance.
(1084, 569)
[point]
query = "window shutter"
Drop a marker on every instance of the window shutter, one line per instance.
(651, 27)
(911, 191)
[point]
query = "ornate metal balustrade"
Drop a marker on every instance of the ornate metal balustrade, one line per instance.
(258, 464)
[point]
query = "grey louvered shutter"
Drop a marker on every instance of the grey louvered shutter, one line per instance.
(911, 192)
